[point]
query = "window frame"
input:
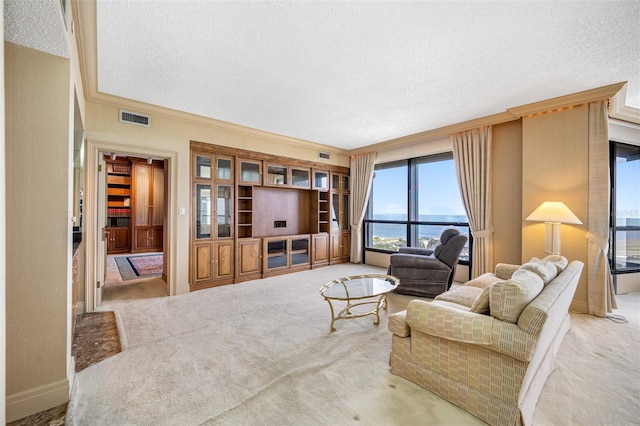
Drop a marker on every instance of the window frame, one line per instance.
(613, 227)
(412, 222)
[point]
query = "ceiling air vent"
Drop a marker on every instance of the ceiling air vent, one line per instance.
(135, 118)
(324, 155)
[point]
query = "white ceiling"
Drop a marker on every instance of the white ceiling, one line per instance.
(353, 73)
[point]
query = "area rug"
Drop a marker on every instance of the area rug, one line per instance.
(132, 267)
(95, 339)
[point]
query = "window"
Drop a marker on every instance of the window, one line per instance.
(412, 202)
(624, 247)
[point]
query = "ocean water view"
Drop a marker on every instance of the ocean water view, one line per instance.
(390, 230)
(391, 236)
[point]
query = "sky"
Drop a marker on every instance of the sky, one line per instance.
(442, 196)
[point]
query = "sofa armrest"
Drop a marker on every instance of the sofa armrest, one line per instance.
(398, 324)
(449, 323)
(415, 250)
(416, 261)
(453, 324)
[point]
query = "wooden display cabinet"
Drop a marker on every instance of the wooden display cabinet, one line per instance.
(148, 205)
(256, 215)
(212, 236)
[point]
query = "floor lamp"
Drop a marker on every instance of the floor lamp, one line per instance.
(553, 213)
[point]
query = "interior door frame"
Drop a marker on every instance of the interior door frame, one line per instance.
(94, 233)
(101, 242)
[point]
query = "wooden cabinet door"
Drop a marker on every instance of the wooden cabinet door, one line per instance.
(335, 247)
(320, 249)
(121, 239)
(202, 262)
(224, 261)
(249, 258)
(148, 206)
(346, 246)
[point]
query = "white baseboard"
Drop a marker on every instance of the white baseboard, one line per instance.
(41, 398)
(80, 308)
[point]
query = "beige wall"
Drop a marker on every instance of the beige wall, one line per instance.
(169, 138)
(555, 168)
(507, 192)
(37, 149)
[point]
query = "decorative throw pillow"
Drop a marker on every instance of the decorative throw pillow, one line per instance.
(560, 262)
(481, 305)
(507, 299)
(505, 270)
(543, 268)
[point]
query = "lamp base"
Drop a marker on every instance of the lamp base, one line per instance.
(552, 238)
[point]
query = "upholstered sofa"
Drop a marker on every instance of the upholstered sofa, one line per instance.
(489, 345)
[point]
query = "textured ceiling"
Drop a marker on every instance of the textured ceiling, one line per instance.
(36, 24)
(353, 73)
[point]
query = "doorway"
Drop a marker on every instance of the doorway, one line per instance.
(145, 228)
(135, 215)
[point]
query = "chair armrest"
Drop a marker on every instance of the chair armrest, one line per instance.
(417, 261)
(449, 323)
(415, 250)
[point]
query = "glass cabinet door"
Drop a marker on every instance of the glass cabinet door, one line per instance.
(300, 178)
(335, 181)
(203, 211)
(299, 251)
(320, 179)
(224, 169)
(345, 212)
(203, 166)
(335, 212)
(250, 172)
(345, 182)
(224, 210)
(277, 253)
(277, 175)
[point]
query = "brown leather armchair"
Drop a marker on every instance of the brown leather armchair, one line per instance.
(426, 272)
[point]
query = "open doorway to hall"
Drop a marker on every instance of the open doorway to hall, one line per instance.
(135, 222)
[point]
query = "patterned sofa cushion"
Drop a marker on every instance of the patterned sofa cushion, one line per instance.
(507, 299)
(463, 295)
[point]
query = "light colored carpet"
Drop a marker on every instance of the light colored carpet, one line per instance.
(260, 353)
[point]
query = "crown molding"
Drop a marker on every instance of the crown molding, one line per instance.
(439, 133)
(620, 111)
(579, 98)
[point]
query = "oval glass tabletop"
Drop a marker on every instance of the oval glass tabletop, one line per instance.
(359, 286)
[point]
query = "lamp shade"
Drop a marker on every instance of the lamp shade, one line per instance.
(553, 211)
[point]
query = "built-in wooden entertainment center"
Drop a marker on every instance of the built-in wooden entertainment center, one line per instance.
(256, 215)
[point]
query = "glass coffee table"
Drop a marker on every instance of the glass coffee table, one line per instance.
(356, 291)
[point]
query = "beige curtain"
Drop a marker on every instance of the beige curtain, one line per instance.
(472, 155)
(361, 177)
(600, 298)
